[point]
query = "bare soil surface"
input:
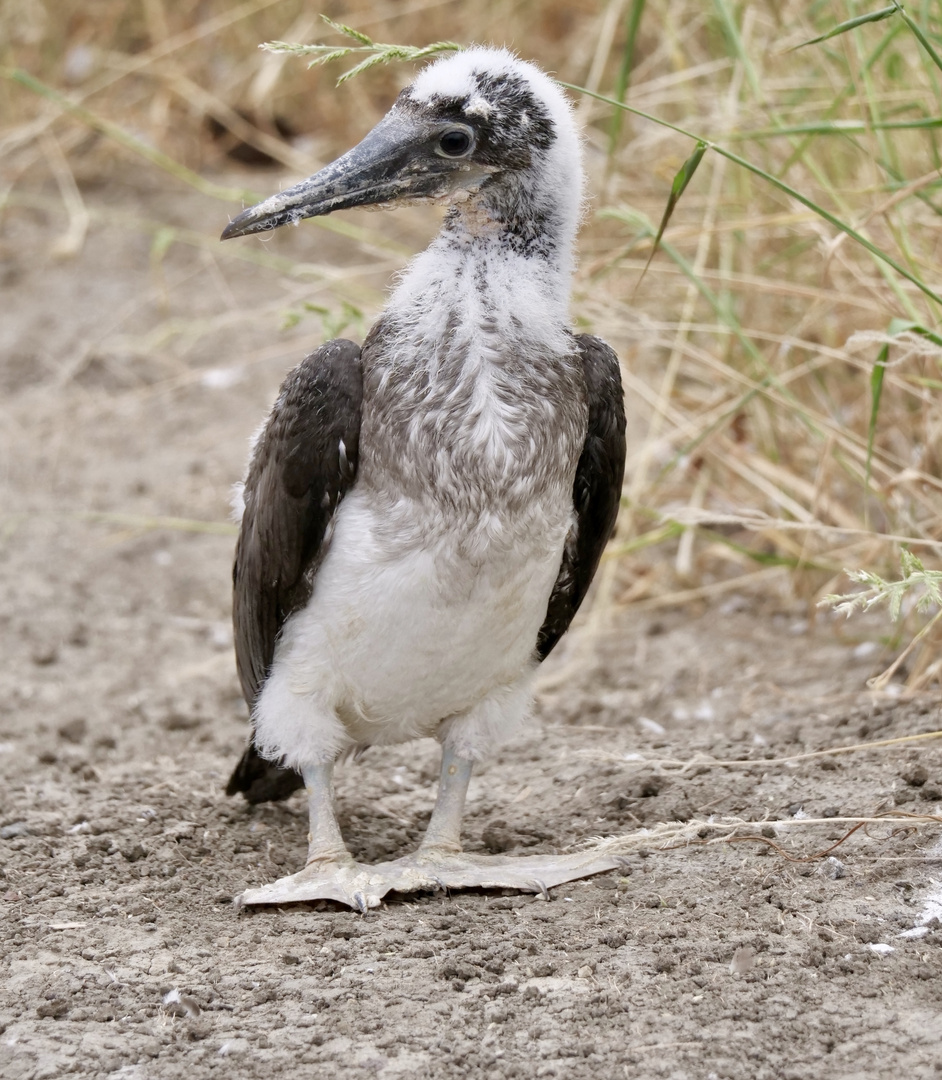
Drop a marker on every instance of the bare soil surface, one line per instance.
(132, 377)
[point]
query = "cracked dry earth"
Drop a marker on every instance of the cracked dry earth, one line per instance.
(120, 952)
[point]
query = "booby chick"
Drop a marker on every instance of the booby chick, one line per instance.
(423, 515)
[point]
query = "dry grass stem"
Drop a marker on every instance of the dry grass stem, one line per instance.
(670, 836)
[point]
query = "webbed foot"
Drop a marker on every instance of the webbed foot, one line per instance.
(363, 887)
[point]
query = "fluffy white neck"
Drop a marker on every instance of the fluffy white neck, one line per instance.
(504, 260)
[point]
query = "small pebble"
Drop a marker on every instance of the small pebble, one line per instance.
(74, 731)
(916, 776)
(743, 960)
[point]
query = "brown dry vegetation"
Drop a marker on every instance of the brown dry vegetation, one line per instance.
(750, 394)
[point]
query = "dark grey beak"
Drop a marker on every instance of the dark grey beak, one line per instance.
(397, 160)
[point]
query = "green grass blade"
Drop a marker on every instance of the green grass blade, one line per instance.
(147, 523)
(378, 52)
(738, 46)
(765, 558)
(678, 187)
(363, 65)
(897, 326)
(786, 189)
(919, 34)
(348, 31)
(669, 531)
(876, 393)
(623, 78)
(837, 127)
(850, 24)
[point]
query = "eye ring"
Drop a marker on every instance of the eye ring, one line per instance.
(455, 142)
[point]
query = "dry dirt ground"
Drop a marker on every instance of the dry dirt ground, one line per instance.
(132, 376)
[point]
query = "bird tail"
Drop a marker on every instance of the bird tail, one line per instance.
(262, 781)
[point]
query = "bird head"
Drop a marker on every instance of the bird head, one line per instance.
(479, 121)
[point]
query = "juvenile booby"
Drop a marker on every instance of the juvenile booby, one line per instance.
(423, 515)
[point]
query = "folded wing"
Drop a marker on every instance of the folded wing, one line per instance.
(304, 462)
(596, 491)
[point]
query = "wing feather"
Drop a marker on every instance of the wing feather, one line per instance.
(304, 462)
(596, 491)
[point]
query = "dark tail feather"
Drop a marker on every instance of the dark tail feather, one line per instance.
(262, 781)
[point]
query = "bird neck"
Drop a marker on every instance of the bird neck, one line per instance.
(516, 216)
(504, 258)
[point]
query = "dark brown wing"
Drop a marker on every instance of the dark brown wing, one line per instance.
(596, 491)
(303, 464)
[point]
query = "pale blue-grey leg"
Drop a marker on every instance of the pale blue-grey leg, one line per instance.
(330, 872)
(444, 828)
(324, 840)
(439, 863)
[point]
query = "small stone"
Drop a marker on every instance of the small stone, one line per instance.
(179, 721)
(54, 1009)
(832, 868)
(916, 776)
(743, 960)
(290, 959)
(542, 969)
(497, 837)
(134, 854)
(13, 830)
(233, 1046)
(646, 787)
(44, 655)
(614, 940)
(75, 730)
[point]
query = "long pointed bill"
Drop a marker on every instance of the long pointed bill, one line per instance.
(395, 161)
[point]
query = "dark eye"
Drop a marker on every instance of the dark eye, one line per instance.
(455, 142)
